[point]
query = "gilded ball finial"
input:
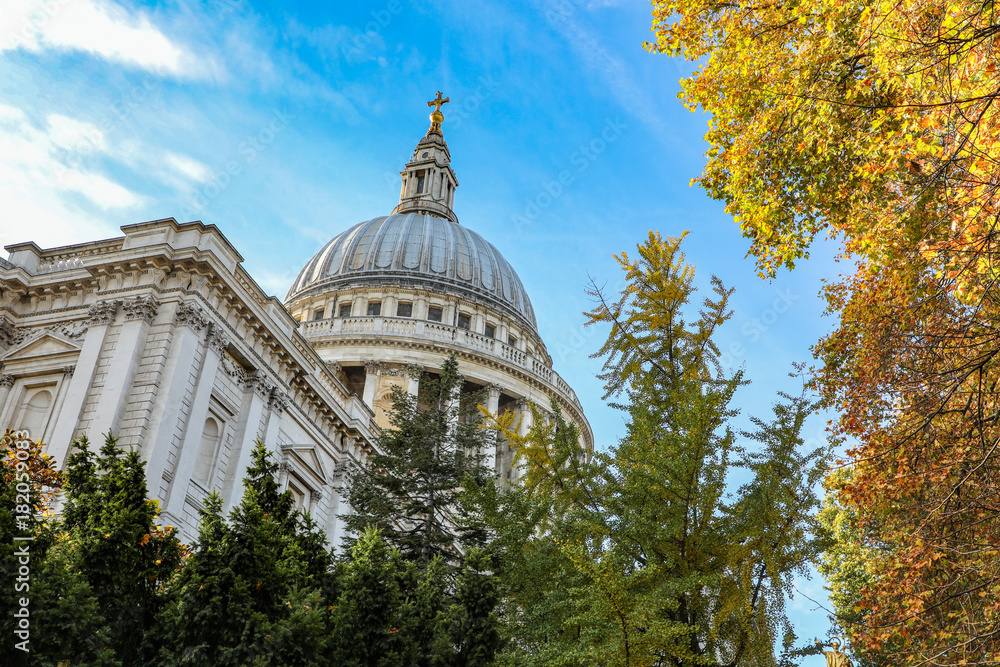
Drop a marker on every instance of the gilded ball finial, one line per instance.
(436, 115)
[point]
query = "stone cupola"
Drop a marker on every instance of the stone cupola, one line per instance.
(428, 180)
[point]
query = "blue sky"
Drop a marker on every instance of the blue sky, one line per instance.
(284, 123)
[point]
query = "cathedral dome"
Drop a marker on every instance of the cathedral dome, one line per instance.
(418, 250)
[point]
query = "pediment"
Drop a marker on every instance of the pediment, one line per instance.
(46, 345)
(306, 455)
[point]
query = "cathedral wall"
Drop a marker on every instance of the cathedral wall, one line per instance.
(163, 340)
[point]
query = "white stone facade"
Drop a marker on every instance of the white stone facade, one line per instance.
(160, 337)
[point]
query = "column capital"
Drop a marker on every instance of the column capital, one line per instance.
(279, 401)
(6, 380)
(103, 312)
(68, 370)
(216, 339)
(257, 381)
(141, 308)
(493, 390)
(10, 335)
(191, 315)
(372, 366)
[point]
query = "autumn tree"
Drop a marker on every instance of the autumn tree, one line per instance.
(877, 124)
(650, 554)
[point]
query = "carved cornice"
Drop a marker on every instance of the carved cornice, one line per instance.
(104, 312)
(141, 308)
(191, 315)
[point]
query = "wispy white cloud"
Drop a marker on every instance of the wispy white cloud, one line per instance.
(188, 167)
(100, 28)
(42, 194)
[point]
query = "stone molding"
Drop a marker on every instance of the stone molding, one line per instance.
(104, 312)
(191, 315)
(141, 308)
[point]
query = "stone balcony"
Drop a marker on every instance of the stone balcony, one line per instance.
(414, 329)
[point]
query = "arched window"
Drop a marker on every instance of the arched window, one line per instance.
(36, 412)
(206, 451)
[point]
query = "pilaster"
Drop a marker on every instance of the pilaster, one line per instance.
(102, 315)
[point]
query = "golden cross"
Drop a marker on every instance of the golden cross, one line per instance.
(437, 102)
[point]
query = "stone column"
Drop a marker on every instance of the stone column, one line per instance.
(168, 413)
(413, 372)
(371, 379)
(524, 425)
(489, 452)
(6, 382)
(277, 403)
(57, 402)
(139, 314)
(102, 315)
(283, 469)
(187, 453)
(258, 392)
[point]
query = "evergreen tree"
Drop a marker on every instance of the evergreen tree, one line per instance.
(411, 487)
(250, 594)
(115, 543)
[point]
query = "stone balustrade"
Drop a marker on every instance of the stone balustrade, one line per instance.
(405, 327)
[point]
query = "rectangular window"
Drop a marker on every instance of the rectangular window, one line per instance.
(511, 341)
(490, 331)
(420, 182)
(404, 310)
(345, 310)
(434, 314)
(463, 321)
(374, 307)
(318, 315)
